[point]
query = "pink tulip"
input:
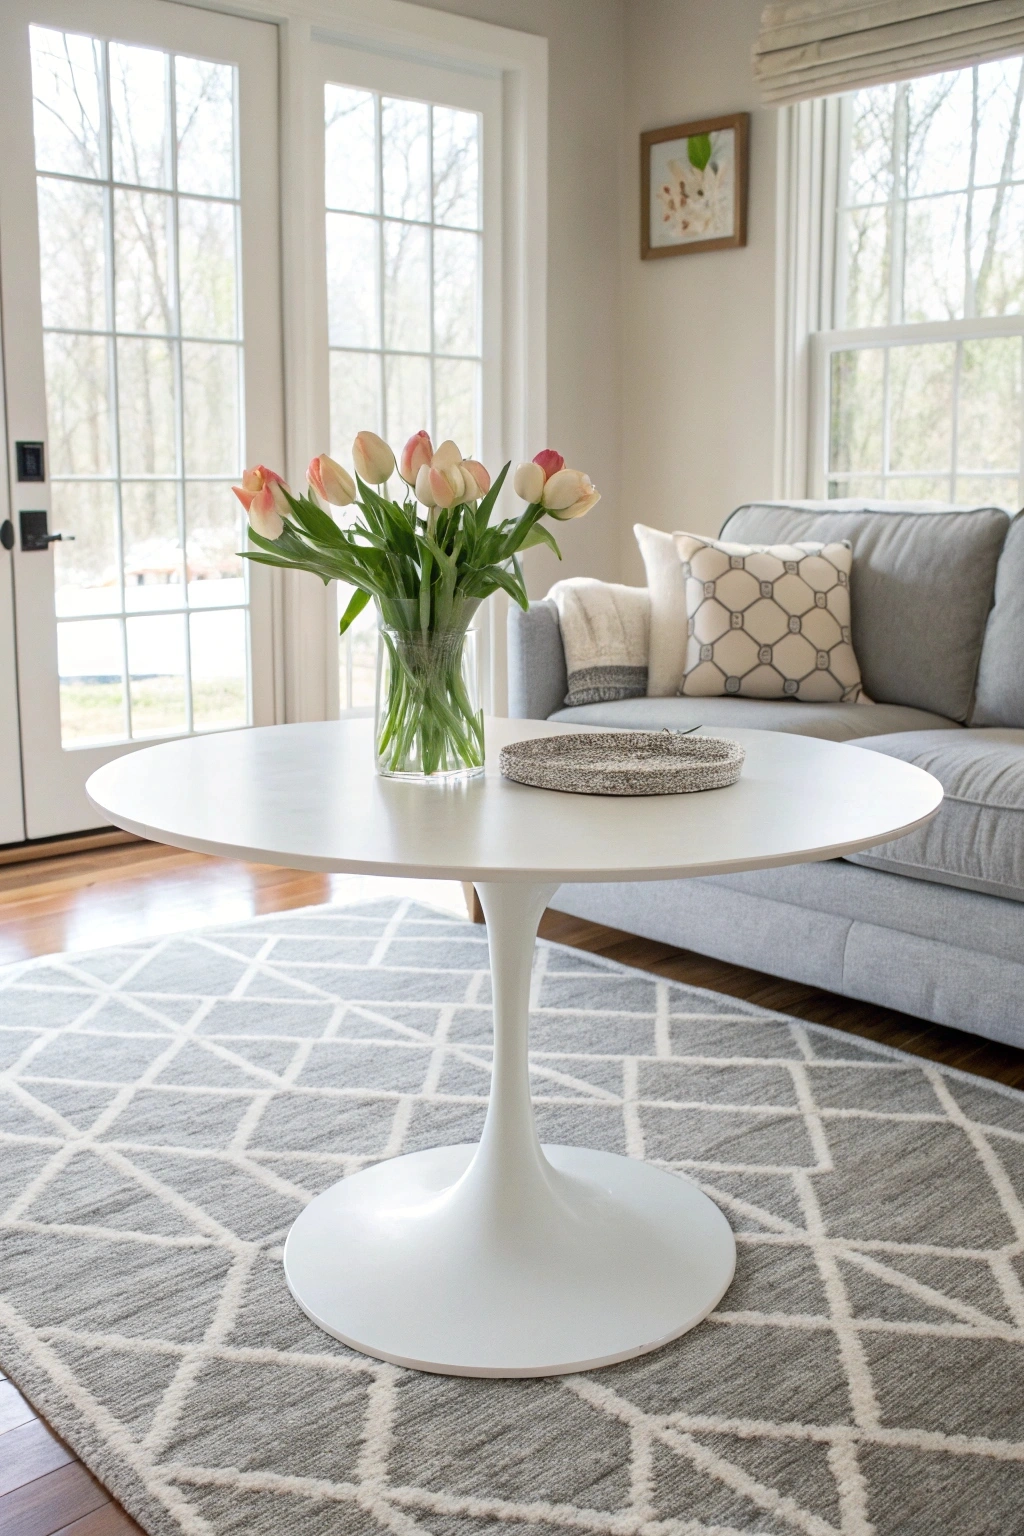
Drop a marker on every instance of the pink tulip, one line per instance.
(331, 481)
(528, 482)
(473, 470)
(447, 486)
(262, 496)
(418, 451)
(253, 481)
(549, 461)
(564, 488)
(372, 458)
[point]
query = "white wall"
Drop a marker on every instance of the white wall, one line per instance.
(586, 43)
(698, 331)
(661, 374)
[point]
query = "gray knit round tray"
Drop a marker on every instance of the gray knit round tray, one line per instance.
(623, 763)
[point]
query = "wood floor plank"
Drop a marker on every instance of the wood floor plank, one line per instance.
(108, 1520)
(14, 1410)
(27, 1453)
(51, 1502)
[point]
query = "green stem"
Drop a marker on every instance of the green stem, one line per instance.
(426, 721)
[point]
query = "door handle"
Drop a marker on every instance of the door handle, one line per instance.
(7, 534)
(34, 535)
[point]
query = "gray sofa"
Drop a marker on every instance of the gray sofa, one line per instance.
(932, 924)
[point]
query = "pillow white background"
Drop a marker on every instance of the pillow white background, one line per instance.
(666, 655)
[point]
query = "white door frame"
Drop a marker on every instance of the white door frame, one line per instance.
(53, 779)
(519, 61)
(12, 805)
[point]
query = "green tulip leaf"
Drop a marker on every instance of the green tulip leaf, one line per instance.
(356, 603)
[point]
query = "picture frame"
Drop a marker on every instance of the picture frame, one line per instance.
(693, 179)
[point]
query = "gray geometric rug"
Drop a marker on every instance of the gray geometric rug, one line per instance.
(167, 1108)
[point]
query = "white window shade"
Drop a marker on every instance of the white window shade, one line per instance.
(810, 48)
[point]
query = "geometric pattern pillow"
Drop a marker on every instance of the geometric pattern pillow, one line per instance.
(768, 621)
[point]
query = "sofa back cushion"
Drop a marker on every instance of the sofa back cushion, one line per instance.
(921, 589)
(1000, 697)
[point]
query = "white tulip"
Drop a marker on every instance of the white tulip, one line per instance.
(528, 482)
(565, 488)
(578, 507)
(447, 456)
(424, 495)
(372, 458)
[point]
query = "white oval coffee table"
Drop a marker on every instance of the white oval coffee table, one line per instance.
(507, 1258)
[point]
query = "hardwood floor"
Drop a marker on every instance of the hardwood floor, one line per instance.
(83, 900)
(44, 1489)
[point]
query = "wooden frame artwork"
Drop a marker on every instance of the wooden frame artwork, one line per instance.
(693, 179)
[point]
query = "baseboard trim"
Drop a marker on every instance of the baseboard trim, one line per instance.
(57, 847)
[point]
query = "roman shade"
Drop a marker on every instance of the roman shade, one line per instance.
(818, 47)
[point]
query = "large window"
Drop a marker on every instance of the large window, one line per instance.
(137, 179)
(922, 371)
(404, 234)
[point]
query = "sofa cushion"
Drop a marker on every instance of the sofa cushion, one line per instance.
(831, 722)
(921, 589)
(1000, 699)
(977, 839)
(768, 621)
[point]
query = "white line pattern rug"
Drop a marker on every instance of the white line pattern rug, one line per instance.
(167, 1108)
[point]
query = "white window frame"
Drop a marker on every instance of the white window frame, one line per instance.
(809, 263)
(519, 61)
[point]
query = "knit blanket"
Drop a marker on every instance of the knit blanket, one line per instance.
(605, 633)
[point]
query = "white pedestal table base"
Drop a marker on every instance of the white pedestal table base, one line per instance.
(509, 1259)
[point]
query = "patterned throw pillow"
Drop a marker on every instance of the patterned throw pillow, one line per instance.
(768, 621)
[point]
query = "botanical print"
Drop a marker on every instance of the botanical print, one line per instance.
(693, 188)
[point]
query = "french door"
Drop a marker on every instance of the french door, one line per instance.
(410, 309)
(141, 344)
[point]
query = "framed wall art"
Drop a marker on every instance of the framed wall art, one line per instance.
(693, 178)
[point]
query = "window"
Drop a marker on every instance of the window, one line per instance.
(136, 161)
(404, 279)
(923, 371)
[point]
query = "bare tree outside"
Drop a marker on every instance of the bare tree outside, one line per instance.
(931, 229)
(139, 266)
(403, 214)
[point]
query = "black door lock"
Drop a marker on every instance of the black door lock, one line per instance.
(7, 534)
(34, 535)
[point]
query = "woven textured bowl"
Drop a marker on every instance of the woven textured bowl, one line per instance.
(623, 763)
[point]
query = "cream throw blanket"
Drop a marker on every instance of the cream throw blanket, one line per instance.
(605, 633)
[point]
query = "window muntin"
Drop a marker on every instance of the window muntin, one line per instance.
(924, 369)
(404, 235)
(137, 186)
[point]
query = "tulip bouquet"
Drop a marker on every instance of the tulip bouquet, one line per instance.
(427, 562)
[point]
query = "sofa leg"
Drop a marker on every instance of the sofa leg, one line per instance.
(473, 908)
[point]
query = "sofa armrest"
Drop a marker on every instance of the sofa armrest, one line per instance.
(537, 682)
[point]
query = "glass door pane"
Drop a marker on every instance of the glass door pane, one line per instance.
(140, 142)
(406, 231)
(137, 185)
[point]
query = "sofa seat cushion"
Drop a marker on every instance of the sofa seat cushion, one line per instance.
(831, 722)
(977, 839)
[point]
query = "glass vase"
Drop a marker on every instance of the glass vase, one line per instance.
(429, 725)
